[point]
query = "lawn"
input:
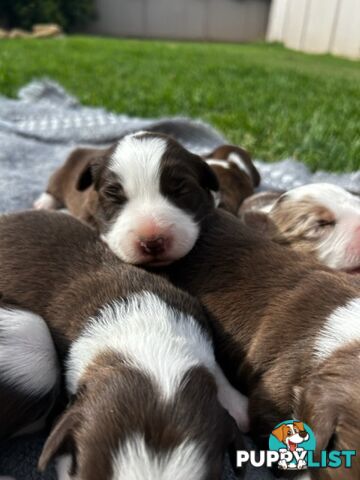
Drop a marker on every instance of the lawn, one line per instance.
(275, 102)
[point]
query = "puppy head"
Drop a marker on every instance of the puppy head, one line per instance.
(320, 219)
(120, 429)
(291, 434)
(153, 195)
(236, 173)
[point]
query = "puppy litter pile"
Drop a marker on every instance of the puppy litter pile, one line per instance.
(40, 128)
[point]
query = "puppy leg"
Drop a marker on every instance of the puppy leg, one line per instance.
(46, 201)
(62, 467)
(29, 371)
(232, 400)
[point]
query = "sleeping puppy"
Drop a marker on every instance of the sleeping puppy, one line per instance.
(148, 399)
(287, 328)
(236, 173)
(146, 196)
(318, 219)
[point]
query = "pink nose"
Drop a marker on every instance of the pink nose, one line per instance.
(153, 246)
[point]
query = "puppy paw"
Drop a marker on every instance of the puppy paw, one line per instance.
(232, 400)
(46, 201)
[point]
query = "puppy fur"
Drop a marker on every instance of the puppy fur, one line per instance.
(322, 220)
(29, 371)
(148, 399)
(282, 321)
(146, 196)
(237, 175)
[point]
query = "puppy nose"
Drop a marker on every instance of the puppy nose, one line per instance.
(153, 246)
(303, 434)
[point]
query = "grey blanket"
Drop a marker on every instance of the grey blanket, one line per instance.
(39, 129)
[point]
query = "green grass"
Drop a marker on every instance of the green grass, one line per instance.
(275, 102)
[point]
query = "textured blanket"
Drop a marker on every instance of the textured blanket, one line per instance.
(39, 129)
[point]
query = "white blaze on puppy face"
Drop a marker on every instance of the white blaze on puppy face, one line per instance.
(333, 217)
(147, 213)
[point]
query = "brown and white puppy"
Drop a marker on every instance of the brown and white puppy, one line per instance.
(148, 398)
(236, 173)
(318, 219)
(146, 195)
(286, 326)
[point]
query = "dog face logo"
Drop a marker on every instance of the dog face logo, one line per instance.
(291, 434)
(292, 439)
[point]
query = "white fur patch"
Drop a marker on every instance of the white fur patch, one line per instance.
(137, 163)
(135, 461)
(232, 400)
(239, 162)
(28, 359)
(218, 163)
(152, 336)
(341, 328)
(62, 467)
(46, 201)
(159, 340)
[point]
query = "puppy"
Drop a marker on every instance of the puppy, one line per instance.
(318, 219)
(25, 340)
(236, 173)
(148, 400)
(287, 329)
(146, 195)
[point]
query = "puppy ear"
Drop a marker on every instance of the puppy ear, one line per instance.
(91, 174)
(261, 202)
(208, 178)
(61, 438)
(85, 180)
(259, 221)
(94, 161)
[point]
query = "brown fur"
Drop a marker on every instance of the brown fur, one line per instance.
(57, 267)
(64, 184)
(235, 184)
(330, 398)
(268, 303)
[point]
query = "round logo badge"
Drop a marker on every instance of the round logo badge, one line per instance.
(292, 439)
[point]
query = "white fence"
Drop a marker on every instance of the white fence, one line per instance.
(227, 20)
(317, 26)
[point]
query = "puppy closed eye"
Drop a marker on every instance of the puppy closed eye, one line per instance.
(180, 188)
(318, 228)
(322, 223)
(114, 193)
